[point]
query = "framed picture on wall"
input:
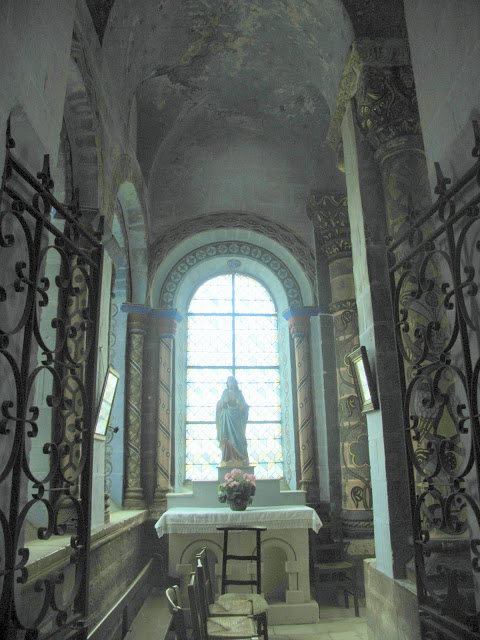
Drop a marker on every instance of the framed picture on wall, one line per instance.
(106, 401)
(363, 380)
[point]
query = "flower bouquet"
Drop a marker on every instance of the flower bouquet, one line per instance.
(237, 489)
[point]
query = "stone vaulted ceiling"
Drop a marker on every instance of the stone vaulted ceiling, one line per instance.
(231, 98)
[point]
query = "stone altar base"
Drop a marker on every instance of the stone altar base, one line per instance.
(285, 569)
(285, 553)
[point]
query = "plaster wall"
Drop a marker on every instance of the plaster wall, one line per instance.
(37, 82)
(445, 52)
(236, 173)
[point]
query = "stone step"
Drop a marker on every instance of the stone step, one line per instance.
(204, 494)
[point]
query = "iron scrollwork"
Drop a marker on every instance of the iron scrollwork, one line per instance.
(434, 284)
(51, 264)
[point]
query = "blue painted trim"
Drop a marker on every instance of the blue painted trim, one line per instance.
(166, 313)
(128, 307)
(304, 311)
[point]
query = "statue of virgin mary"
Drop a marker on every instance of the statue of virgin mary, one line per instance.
(232, 417)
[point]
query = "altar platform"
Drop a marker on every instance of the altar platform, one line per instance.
(191, 523)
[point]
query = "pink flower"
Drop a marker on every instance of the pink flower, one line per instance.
(224, 485)
(228, 476)
(235, 484)
(245, 475)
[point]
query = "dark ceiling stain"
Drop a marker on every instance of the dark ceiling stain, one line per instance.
(100, 10)
(377, 18)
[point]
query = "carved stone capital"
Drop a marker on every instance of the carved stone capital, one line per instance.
(165, 322)
(329, 214)
(136, 323)
(299, 320)
(299, 324)
(364, 53)
(386, 104)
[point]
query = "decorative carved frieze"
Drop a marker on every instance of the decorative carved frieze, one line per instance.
(232, 220)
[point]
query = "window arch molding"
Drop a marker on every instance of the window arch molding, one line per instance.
(211, 237)
(204, 270)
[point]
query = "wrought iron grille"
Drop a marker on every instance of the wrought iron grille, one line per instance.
(49, 299)
(434, 264)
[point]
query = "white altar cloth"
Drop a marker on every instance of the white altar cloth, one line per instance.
(190, 520)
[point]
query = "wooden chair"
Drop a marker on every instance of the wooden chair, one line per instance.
(331, 570)
(238, 606)
(215, 628)
(259, 604)
(178, 619)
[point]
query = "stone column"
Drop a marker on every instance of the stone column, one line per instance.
(166, 322)
(376, 118)
(133, 495)
(329, 215)
(299, 325)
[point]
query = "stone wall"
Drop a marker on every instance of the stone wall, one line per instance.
(116, 560)
(119, 551)
(392, 609)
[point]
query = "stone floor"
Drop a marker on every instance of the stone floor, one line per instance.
(336, 623)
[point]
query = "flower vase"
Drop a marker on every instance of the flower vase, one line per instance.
(238, 504)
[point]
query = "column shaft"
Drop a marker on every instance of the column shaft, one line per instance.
(329, 214)
(133, 497)
(299, 325)
(166, 328)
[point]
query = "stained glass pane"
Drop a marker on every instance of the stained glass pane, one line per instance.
(204, 388)
(251, 355)
(214, 296)
(252, 297)
(209, 341)
(256, 341)
(261, 389)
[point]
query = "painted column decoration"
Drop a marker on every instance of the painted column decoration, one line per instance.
(166, 321)
(133, 496)
(378, 79)
(329, 214)
(299, 325)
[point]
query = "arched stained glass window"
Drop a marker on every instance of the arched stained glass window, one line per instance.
(232, 330)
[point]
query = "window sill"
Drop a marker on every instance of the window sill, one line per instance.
(47, 556)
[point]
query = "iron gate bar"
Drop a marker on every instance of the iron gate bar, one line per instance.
(444, 197)
(449, 498)
(35, 184)
(66, 615)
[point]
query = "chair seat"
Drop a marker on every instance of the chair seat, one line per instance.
(333, 566)
(257, 602)
(232, 607)
(231, 627)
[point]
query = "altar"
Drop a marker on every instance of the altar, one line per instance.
(285, 554)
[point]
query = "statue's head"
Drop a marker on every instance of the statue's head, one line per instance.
(232, 383)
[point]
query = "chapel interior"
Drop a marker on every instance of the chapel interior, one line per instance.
(284, 191)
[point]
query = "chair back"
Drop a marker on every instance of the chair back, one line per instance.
(178, 617)
(202, 560)
(199, 623)
(255, 557)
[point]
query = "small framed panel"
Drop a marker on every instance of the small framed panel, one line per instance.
(106, 401)
(363, 379)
